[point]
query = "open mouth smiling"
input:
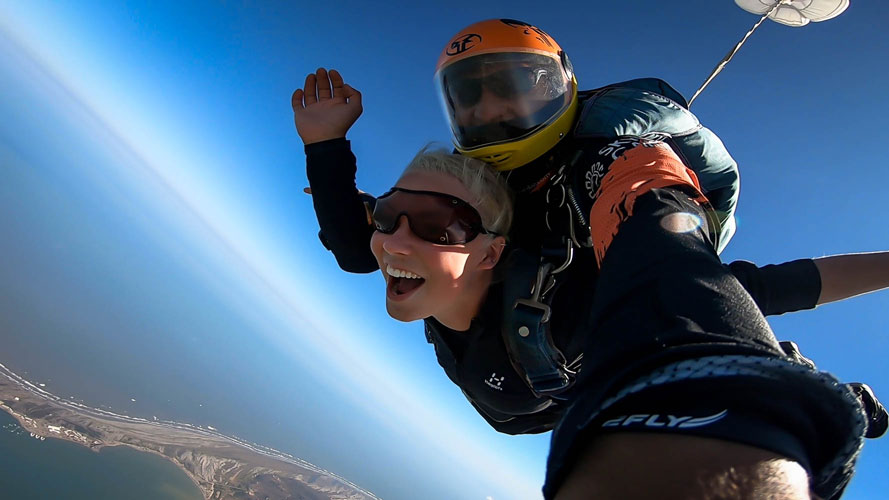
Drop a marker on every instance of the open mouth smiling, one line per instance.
(402, 282)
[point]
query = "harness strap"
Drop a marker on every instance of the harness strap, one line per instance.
(526, 313)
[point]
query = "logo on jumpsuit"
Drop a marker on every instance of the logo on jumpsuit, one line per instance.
(604, 157)
(655, 420)
(593, 178)
(494, 381)
(463, 43)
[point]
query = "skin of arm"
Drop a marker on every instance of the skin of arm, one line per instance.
(630, 466)
(848, 275)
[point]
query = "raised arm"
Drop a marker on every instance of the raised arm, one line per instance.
(848, 275)
(323, 112)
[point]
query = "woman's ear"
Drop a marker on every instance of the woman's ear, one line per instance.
(493, 252)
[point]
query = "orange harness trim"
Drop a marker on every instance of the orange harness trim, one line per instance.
(637, 172)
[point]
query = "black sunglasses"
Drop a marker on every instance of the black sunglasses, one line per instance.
(434, 217)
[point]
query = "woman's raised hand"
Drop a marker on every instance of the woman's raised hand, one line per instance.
(326, 108)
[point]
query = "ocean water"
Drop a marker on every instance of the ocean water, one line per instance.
(31, 469)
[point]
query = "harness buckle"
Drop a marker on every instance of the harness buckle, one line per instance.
(544, 312)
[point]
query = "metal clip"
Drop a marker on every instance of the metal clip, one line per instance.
(563, 195)
(543, 272)
(534, 304)
(569, 256)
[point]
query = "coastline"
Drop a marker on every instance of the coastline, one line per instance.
(223, 467)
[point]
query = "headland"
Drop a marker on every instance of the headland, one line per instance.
(224, 467)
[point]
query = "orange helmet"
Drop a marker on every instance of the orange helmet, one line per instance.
(508, 92)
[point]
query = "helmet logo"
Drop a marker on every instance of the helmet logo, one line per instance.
(463, 43)
(529, 30)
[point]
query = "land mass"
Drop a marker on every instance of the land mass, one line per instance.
(223, 467)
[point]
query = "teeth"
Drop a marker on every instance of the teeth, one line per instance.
(401, 273)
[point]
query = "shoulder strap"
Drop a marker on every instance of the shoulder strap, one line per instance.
(526, 313)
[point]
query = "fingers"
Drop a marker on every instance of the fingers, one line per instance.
(310, 94)
(296, 100)
(351, 94)
(336, 81)
(323, 83)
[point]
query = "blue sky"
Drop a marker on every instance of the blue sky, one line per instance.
(153, 183)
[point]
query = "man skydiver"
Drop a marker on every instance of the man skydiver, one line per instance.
(791, 419)
(511, 98)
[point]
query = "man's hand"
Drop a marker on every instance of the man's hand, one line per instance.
(326, 108)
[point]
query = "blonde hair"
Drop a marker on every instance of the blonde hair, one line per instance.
(490, 194)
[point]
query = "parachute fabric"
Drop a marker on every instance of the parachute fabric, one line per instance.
(796, 12)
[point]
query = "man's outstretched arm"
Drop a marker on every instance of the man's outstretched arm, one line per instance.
(848, 275)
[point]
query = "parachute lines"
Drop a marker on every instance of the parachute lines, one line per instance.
(728, 57)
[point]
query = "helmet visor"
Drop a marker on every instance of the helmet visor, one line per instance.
(502, 97)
